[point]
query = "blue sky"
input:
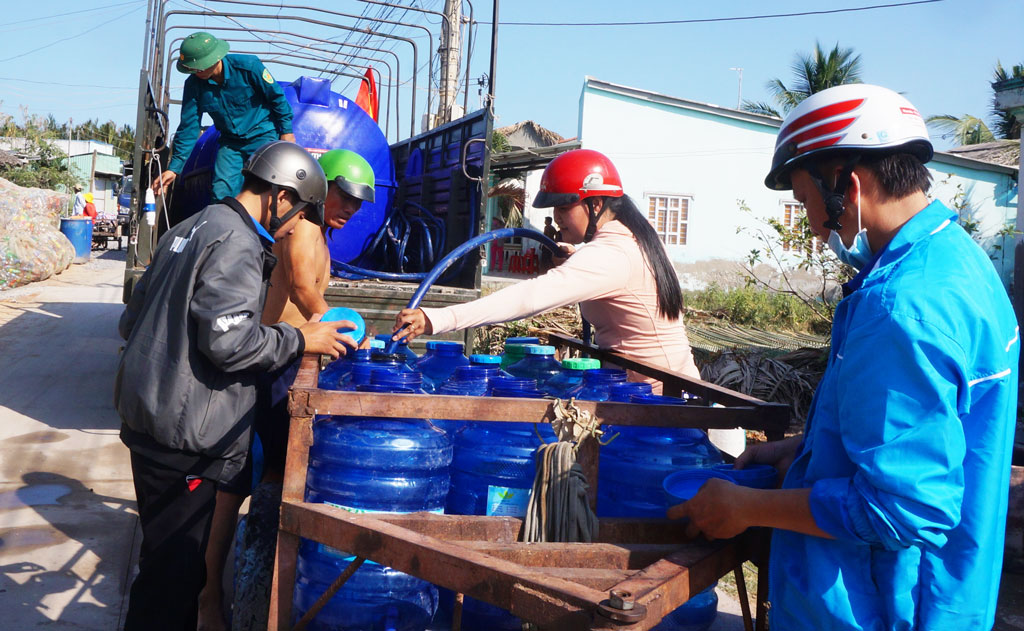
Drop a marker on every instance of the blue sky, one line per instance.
(940, 55)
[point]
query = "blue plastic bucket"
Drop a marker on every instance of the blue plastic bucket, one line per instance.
(684, 484)
(78, 230)
(756, 476)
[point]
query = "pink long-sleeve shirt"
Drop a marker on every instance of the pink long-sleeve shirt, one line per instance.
(617, 294)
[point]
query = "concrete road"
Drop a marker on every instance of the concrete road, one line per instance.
(68, 528)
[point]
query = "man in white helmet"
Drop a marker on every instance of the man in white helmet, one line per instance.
(892, 512)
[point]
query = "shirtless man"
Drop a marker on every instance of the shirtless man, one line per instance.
(297, 287)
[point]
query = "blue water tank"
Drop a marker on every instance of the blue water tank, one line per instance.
(372, 465)
(634, 465)
(322, 120)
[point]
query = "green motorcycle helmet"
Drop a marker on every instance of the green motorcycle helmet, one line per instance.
(350, 171)
(200, 51)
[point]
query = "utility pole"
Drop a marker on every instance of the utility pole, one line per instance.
(449, 55)
(494, 56)
(739, 91)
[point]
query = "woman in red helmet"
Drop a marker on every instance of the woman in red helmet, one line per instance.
(621, 276)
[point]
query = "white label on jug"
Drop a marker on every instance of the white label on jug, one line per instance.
(507, 502)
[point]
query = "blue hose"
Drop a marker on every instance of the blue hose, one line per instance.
(465, 248)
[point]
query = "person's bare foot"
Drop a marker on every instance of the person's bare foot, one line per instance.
(211, 611)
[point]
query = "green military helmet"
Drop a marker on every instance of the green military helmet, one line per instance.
(350, 171)
(200, 51)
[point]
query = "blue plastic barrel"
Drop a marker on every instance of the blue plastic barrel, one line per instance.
(634, 465)
(372, 465)
(440, 361)
(78, 230)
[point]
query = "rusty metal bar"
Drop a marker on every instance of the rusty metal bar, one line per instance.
(741, 592)
(474, 573)
(343, 403)
(328, 594)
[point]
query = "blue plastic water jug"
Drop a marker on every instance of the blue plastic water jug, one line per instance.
(372, 465)
(440, 361)
(596, 383)
(403, 348)
(515, 349)
(623, 392)
(538, 364)
(634, 465)
(570, 377)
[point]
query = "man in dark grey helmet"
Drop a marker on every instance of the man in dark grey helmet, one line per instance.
(186, 385)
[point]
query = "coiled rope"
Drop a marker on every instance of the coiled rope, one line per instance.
(558, 510)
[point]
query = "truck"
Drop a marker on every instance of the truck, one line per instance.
(434, 180)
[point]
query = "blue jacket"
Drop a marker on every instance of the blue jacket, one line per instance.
(247, 105)
(907, 445)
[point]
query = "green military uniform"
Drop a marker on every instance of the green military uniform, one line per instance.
(249, 109)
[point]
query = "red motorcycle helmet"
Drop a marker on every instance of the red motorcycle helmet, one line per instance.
(576, 175)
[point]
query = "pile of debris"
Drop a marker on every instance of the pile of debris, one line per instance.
(31, 245)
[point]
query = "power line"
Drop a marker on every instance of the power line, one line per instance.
(59, 15)
(725, 19)
(65, 39)
(69, 85)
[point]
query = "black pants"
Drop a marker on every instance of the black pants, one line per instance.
(172, 566)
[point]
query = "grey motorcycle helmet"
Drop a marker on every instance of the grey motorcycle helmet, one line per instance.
(284, 164)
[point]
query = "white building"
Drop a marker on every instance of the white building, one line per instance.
(693, 167)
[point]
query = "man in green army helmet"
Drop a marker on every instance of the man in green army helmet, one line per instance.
(297, 287)
(247, 106)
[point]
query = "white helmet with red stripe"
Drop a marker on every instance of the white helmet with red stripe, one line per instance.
(848, 119)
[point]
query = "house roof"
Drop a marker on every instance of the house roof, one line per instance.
(509, 162)
(549, 137)
(1004, 152)
(81, 165)
(969, 161)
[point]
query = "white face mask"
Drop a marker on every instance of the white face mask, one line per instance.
(859, 254)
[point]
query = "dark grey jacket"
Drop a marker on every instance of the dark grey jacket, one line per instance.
(187, 377)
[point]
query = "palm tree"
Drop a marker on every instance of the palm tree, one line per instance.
(964, 130)
(1006, 124)
(971, 130)
(813, 73)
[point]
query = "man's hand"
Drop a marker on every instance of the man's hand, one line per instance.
(412, 323)
(718, 510)
(288, 137)
(323, 337)
(162, 182)
(779, 454)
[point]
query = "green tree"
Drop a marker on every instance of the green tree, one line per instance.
(972, 130)
(46, 165)
(812, 73)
